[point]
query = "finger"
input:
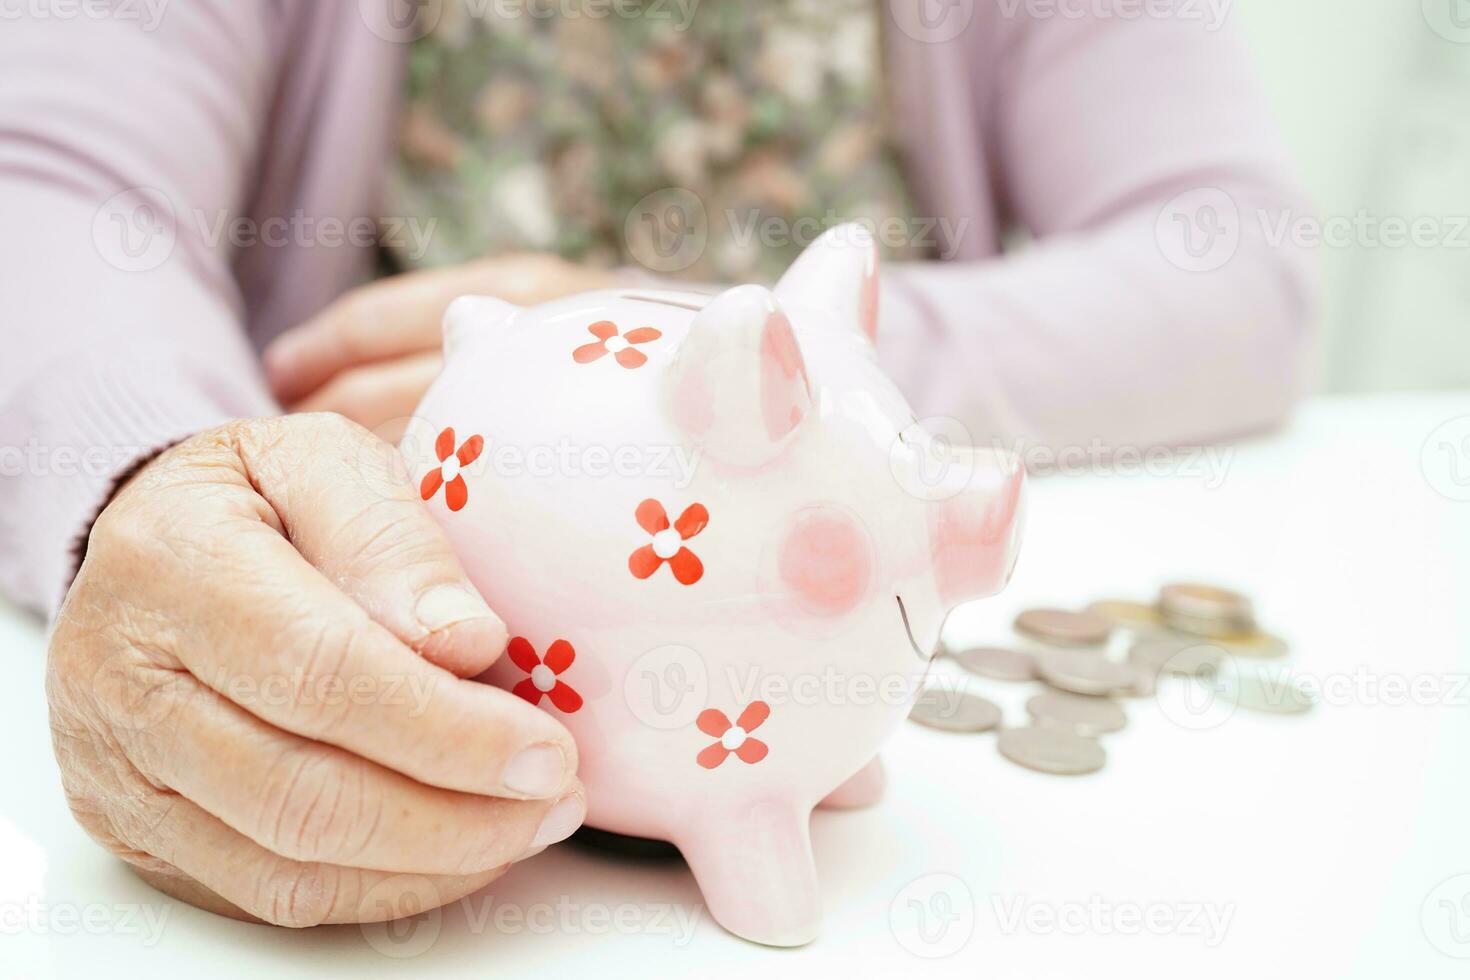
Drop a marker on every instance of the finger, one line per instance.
(281, 891)
(316, 803)
(250, 618)
(403, 315)
(390, 318)
(347, 506)
(378, 397)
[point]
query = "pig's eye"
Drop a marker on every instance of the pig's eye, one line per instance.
(826, 559)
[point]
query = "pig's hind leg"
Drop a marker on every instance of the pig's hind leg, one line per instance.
(754, 866)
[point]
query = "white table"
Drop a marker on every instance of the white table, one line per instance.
(1238, 846)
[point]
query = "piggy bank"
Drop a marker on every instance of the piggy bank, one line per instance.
(723, 546)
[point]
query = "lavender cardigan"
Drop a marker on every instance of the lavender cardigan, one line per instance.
(1102, 330)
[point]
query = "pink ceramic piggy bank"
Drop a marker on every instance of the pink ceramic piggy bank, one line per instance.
(724, 549)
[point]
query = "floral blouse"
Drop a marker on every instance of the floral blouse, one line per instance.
(708, 141)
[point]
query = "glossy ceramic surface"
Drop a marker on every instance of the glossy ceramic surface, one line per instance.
(724, 548)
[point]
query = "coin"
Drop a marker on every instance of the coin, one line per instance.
(1128, 615)
(997, 663)
(1081, 672)
(1051, 750)
(1276, 694)
(1210, 629)
(1257, 644)
(1146, 687)
(1199, 599)
(1207, 610)
(955, 711)
(1063, 627)
(1074, 713)
(1177, 655)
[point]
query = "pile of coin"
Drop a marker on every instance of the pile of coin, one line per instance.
(1089, 660)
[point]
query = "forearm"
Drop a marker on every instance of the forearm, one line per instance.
(1109, 139)
(1098, 340)
(122, 324)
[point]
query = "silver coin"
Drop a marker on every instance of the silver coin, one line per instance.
(1081, 715)
(997, 663)
(955, 711)
(1063, 627)
(1207, 627)
(1051, 750)
(1270, 694)
(1180, 656)
(1080, 672)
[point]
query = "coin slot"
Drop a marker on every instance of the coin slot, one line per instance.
(661, 301)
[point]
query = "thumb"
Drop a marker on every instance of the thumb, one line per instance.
(345, 502)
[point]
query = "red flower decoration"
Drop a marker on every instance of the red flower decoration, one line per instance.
(620, 346)
(668, 543)
(447, 475)
(544, 679)
(733, 738)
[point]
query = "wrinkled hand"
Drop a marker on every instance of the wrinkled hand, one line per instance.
(256, 694)
(371, 355)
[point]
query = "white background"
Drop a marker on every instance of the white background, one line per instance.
(1318, 841)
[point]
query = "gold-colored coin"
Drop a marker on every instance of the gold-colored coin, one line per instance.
(1062, 627)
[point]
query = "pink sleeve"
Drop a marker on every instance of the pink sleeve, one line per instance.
(122, 323)
(1107, 330)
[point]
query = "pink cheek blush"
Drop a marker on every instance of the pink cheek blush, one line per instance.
(826, 561)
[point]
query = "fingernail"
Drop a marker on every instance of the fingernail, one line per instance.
(448, 605)
(560, 822)
(538, 771)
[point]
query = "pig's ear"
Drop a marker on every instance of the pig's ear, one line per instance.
(838, 272)
(738, 385)
(469, 316)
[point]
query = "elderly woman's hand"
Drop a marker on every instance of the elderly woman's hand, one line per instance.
(372, 354)
(256, 687)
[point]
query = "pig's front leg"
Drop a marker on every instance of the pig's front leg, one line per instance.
(754, 865)
(863, 788)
